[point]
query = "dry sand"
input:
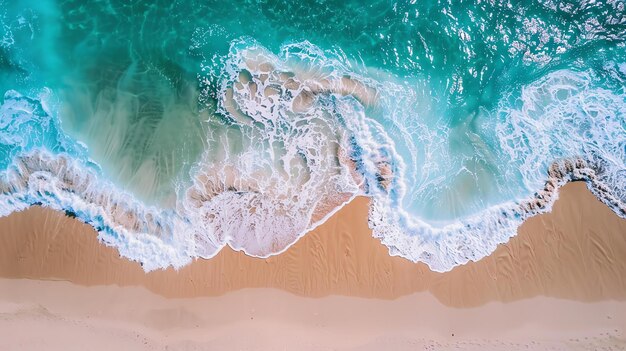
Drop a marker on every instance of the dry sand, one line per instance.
(560, 284)
(48, 315)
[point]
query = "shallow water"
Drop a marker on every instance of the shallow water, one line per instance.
(178, 127)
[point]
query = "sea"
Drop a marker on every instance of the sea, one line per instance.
(177, 127)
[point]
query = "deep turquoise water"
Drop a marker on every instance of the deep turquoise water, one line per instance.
(177, 127)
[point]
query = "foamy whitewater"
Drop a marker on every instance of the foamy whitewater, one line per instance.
(175, 129)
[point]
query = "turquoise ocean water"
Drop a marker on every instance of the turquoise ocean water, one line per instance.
(178, 127)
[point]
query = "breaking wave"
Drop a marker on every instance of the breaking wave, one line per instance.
(298, 134)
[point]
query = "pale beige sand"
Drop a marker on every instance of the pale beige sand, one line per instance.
(47, 315)
(563, 278)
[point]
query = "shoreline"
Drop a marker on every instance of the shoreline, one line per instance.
(575, 252)
(559, 285)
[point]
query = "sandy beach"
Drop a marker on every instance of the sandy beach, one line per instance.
(559, 284)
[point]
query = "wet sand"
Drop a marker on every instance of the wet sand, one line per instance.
(561, 279)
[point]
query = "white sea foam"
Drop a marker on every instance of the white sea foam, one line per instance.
(279, 171)
(560, 128)
(267, 180)
(302, 135)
